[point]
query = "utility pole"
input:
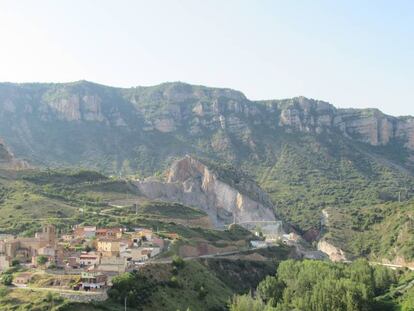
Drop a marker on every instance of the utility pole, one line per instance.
(125, 302)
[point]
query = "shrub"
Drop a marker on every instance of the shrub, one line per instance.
(173, 282)
(6, 279)
(246, 303)
(178, 262)
(41, 260)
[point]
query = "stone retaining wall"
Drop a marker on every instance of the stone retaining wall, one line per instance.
(85, 297)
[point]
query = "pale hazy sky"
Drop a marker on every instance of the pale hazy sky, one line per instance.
(350, 53)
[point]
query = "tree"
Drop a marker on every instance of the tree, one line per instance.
(178, 262)
(408, 302)
(88, 248)
(383, 279)
(271, 290)
(136, 287)
(7, 279)
(246, 303)
(41, 260)
(361, 272)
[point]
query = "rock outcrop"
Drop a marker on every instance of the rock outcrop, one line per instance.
(370, 126)
(5, 155)
(111, 126)
(193, 183)
(334, 253)
(7, 159)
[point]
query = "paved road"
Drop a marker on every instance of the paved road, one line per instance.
(53, 289)
(203, 256)
(392, 266)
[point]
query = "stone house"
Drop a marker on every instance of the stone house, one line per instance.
(88, 259)
(24, 249)
(86, 232)
(93, 279)
(114, 233)
(22, 278)
(109, 247)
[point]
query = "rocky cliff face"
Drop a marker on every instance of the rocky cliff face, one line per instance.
(117, 129)
(192, 183)
(370, 126)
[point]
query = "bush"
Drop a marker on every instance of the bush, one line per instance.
(271, 289)
(202, 293)
(173, 282)
(178, 262)
(3, 291)
(6, 279)
(246, 303)
(136, 287)
(41, 260)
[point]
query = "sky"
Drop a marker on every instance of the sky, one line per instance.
(351, 53)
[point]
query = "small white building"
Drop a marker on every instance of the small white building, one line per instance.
(258, 244)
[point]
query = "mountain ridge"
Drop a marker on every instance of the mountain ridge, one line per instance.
(168, 83)
(178, 109)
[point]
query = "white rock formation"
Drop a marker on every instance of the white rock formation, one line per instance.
(192, 183)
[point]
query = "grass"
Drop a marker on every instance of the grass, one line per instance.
(156, 209)
(57, 281)
(19, 300)
(170, 210)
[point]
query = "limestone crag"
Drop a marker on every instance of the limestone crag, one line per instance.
(192, 183)
(110, 127)
(366, 125)
(75, 107)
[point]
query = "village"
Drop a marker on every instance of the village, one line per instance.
(93, 254)
(90, 256)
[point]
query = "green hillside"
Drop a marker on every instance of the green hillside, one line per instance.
(357, 165)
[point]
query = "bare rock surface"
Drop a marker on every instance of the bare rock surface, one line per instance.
(7, 159)
(334, 253)
(192, 183)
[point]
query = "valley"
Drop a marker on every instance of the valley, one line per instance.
(232, 188)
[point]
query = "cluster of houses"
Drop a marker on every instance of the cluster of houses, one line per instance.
(96, 254)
